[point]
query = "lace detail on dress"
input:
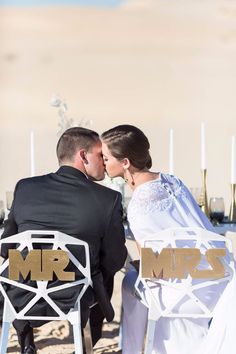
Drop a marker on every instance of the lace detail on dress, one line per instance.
(156, 195)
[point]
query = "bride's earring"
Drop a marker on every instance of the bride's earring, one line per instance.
(126, 178)
(132, 182)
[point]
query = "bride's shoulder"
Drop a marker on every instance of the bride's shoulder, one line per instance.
(148, 194)
(164, 182)
(144, 189)
(155, 195)
(172, 180)
(168, 177)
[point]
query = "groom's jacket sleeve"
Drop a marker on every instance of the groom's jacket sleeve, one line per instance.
(113, 250)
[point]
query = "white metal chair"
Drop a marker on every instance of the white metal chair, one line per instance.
(232, 236)
(188, 288)
(56, 241)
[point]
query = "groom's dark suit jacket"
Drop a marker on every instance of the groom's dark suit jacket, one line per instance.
(68, 202)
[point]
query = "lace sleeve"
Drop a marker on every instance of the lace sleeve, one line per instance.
(151, 206)
(155, 195)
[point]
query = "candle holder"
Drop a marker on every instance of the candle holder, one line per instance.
(232, 212)
(204, 202)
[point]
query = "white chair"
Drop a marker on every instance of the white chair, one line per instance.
(56, 241)
(188, 288)
(232, 236)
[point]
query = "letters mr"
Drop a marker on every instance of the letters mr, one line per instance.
(41, 264)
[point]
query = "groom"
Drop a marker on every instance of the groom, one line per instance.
(71, 202)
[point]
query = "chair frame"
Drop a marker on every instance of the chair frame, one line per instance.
(168, 238)
(59, 241)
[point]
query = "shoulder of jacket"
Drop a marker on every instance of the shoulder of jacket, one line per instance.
(30, 180)
(105, 190)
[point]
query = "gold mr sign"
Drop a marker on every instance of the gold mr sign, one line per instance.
(41, 264)
(179, 262)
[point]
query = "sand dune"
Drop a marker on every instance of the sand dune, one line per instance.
(154, 63)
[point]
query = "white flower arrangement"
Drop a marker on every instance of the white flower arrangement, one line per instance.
(65, 122)
(116, 183)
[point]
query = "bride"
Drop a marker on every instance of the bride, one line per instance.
(159, 201)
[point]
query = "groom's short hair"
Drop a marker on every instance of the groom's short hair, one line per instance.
(74, 139)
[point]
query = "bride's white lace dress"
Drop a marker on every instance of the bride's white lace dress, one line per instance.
(155, 206)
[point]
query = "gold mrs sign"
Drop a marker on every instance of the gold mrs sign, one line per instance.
(179, 262)
(41, 264)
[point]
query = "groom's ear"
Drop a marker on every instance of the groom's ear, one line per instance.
(126, 163)
(82, 155)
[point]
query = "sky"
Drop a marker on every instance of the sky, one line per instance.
(105, 3)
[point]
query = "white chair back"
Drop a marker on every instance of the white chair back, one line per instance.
(190, 296)
(56, 241)
(232, 236)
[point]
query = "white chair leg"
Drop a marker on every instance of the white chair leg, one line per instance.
(153, 317)
(120, 329)
(120, 336)
(4, 337)
(77, 331)
(150, 336)
(77, 338)
(6, 323)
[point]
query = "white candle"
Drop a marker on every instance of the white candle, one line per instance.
(233, 164)
(32, 158)
(203, 147)
(171, 152)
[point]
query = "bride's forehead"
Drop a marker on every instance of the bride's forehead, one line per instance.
(105, 149)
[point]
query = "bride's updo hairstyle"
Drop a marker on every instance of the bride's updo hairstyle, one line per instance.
(127, 141)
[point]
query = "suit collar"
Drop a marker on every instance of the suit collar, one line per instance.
(69, 170)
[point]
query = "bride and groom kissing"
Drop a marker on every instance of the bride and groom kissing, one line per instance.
(69, 201)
